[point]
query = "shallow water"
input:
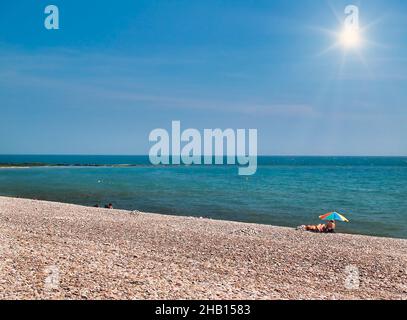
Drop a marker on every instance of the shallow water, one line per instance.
(286, 191)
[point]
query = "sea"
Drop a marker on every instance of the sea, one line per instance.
(285, 191)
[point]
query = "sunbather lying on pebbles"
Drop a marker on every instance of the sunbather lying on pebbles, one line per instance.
(322, 228)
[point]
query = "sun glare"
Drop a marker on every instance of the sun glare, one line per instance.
(350, 38)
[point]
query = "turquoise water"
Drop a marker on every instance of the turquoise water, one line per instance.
(286, 191)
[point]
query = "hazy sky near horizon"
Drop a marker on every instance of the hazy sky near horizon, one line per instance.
(117, 70)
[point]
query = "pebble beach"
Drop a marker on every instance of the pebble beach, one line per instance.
(51, 250)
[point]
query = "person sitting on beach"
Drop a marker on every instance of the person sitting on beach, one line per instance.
(109, 206)
(330, 226)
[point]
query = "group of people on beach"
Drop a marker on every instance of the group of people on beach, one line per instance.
(107, 206)
(329, 227)
(320, 228)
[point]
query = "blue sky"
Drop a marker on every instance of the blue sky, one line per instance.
(117, 70)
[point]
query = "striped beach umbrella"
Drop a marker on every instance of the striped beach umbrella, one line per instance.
(333, 216)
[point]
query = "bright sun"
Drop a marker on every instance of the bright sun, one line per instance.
(350, 38)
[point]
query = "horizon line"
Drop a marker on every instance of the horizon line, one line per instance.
(146, 155)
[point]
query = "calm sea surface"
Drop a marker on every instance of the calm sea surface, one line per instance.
(286, 191)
